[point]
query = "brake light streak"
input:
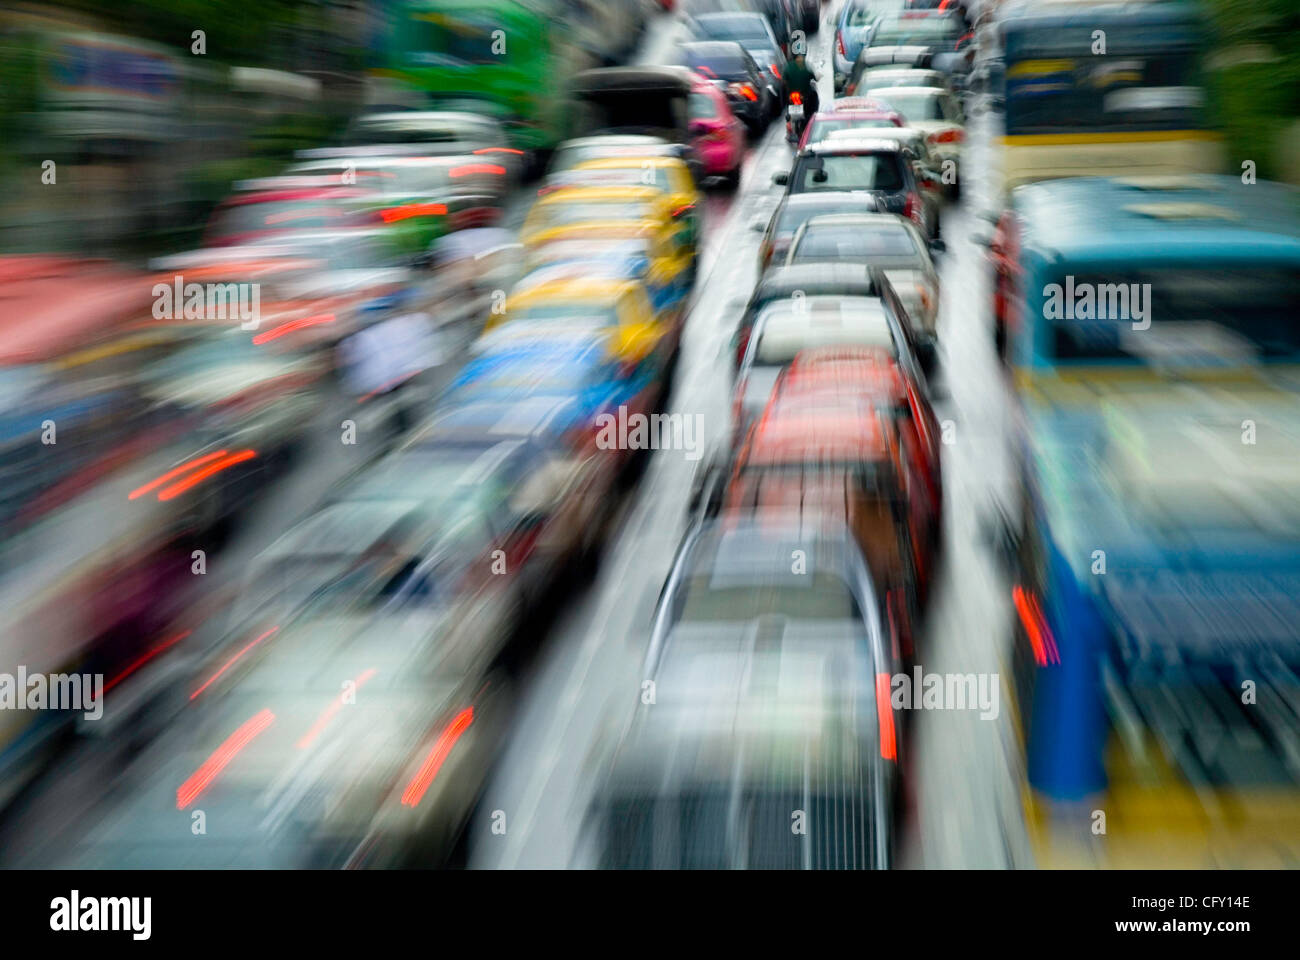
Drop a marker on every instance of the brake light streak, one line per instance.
(194, 479)
(231, 662)
(202, 778)
(174, 473)
(334, 707)
(419, 785)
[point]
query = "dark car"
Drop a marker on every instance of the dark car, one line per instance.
(879, 167)
(751, 92)
(753, 32)
(745, 649)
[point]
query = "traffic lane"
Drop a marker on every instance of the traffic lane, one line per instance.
(584, 687)
(967, 769)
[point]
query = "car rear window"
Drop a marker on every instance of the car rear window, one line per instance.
(855, 242)
(913, 106)
(860, 171)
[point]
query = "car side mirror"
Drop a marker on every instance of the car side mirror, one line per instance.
(781, 179)
(938, 245)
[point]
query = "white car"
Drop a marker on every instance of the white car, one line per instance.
(934, 111)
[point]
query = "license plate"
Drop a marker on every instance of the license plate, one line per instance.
(796, 111)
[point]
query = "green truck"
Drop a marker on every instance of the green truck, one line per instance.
(510, 59)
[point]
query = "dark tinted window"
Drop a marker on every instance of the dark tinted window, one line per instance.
(861, 171)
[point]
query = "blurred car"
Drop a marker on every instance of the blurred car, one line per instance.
(252, 406)
(657, 212)
(570, 153)
(782, 283)
(408, 584)
(903, 36)
(752, 667)
(536, 361)
(870, 79)
(894, 393)
(837, 118)
(784, 328)
(427, 196)
(637, 101)
(794, 210)
(877, 166)
(616, 303)
(426, 133)
(718, 137)
(751, 95)
(752, 31)
(878, 240)
(669, 174)
(279, 207)
(837, 450)
(856, 20)
(934, 111)
(628, 251)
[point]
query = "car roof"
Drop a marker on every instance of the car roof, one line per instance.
(715, 47)
(838, 274)
(928, 91)
(869, 143)
(868, 220)
(580, 192)
(1106, 216)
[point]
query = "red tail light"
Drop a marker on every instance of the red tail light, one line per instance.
(775, 72)
(912, 208)
(469, 169)
(839, 43)
(408, 210)
(747, 92)
(419, 784)
(796, 97)
(946, 136)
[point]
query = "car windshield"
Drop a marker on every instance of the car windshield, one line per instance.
(1177, 317)
(854, 242)
(914, 106)
(850, 171)
(715, 65)
(734, 28)
(930, 31)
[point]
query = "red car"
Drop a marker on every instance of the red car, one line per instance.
(841, 454)
(871, 113)
(258, 214)
(872, 375)
(717, 136)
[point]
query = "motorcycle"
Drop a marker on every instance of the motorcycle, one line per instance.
(795, 117)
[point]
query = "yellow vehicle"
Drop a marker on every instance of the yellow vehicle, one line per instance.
(570, 206)
(595, 303)
(633, 250)
(669, 174)
(1096, 89)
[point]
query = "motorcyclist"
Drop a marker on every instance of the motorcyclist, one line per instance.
(799, 78)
